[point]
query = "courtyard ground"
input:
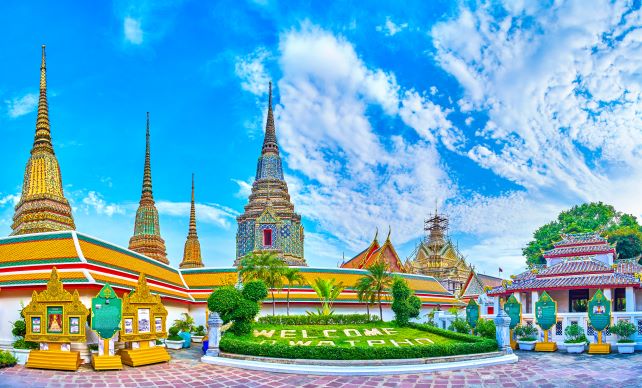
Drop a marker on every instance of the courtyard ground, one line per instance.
(532, 370)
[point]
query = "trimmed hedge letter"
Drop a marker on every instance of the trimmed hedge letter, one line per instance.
(326, 343)
(264, 333)
(326, 333)
(372, 332)
(354, 331)
(406, 341)
(300, 343)
(376, 342)
(288, 333)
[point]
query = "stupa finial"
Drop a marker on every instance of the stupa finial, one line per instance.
(42, 140)
(269, 142)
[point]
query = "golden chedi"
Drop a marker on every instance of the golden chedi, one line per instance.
(192, 251)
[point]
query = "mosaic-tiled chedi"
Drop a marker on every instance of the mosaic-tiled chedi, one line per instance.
(269, 223)
(192, 251)
(42, 206)
(147, 239)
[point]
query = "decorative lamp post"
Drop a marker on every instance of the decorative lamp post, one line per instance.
(214, 323)
(502, 331)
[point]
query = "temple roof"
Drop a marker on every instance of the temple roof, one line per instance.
(476, 283)
(374, 253)
(588, 265)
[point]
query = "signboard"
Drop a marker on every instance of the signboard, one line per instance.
(106, 312)
(472, 313)
(546, 311)
(599, 311)
(514, 310)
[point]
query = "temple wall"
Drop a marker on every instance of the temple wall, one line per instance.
(561, 297)
(638, 300)
(9, 312)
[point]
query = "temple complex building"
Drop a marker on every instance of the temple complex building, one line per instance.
(42, 206)
(192, 251)
(269, 223)
(437, 256)
(147, 239)
(376, 253)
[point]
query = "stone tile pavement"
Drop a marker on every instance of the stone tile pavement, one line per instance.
(533, 370)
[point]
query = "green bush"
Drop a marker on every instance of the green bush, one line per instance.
(19, 330)
(525, 333)
(404, 304)
(239, 307)
(93, 347)
(335, 319)
(173, 334)
(200, 331)
(486, 328)
(468, 345)
(624, 330)
(7, 359)
(574, 334)
(459, 325)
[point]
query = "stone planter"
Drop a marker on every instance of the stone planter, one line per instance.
(21, 355)
(625, 347)
(526, 345)
(575, 347)
(174, 344)
(198, 338)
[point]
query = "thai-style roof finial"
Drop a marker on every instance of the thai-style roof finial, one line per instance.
(192, 252)
(147, 239)
(42, 206)
(376, 234)
(269, 142)
(389, 231)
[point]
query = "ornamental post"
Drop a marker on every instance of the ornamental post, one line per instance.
(502, 329)
(214, 323)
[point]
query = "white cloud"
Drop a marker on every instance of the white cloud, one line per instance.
(251, 70)
(133, 30)
(9, 199)
(245, 187)
(20, 106)
(389, 28)
(95, 201)
(208, 213)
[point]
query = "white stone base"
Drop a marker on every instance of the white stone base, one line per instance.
(358, 370)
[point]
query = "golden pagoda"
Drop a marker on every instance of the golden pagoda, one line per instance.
(42, 206)
(436, 256)
(192, 252)
(147, 239)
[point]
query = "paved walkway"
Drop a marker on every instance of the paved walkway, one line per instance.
(533, 370)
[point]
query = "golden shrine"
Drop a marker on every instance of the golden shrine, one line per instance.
(55, 318)
(143, 323)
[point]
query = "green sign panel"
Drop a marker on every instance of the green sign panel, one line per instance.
(514, 310)
(545, 311)
(472, 313)
(106, 312)
(599, 311)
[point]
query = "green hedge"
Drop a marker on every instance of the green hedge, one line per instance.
(469, 344)
(335, 319)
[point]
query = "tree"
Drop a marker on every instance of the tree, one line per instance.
(619, 228)
(378, 280)
(238, 306)
(405, 304)
(266, 267)
(328, 291)
(293, 276)
(365, 293)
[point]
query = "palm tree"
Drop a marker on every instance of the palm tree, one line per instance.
(266, 267)
(365, 293)
(293, 276)
(378, 280)
(328, 291)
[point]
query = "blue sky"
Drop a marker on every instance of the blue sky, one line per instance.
(503, 114)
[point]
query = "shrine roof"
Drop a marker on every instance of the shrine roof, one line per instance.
(628, 266)
(575, 267)
(581, 238)
(579, 250)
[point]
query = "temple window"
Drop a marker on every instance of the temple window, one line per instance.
(490, 310)
(527, 303)
(578, 301)
(267, 237)
(619, 300)
(558, 327)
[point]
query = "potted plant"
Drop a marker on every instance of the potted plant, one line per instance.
(7, 359)
(624, 330)
(174, 341)
(185, 326)
(21, 348)
(575, 340)
(93, 348)
(198, 334)
(526, 336)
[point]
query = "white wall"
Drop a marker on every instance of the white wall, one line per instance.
(9, 312)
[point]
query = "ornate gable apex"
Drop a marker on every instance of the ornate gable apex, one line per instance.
(268, 217)
(388, 247)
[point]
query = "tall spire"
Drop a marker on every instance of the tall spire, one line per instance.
(147, 239)
(192, 252)
(42, 206)
(269, 142)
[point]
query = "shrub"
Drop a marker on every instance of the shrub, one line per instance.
(468, 345)
(7, 359)
(173, 334)
(200, 331)
(486, 328)
(335, 319)
(574, 334)
(404, 304)
(22, 344)
(92, 347)
(525, 333)
(185, 324)
(459, 325)
(624, 330)
(19, 330)
(239, 307)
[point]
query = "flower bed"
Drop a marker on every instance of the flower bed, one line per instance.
(367, 341)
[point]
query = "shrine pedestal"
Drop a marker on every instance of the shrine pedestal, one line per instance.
(54, 359)
(545, 347)
(138, 357)
(603, 348)
(106, 362)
